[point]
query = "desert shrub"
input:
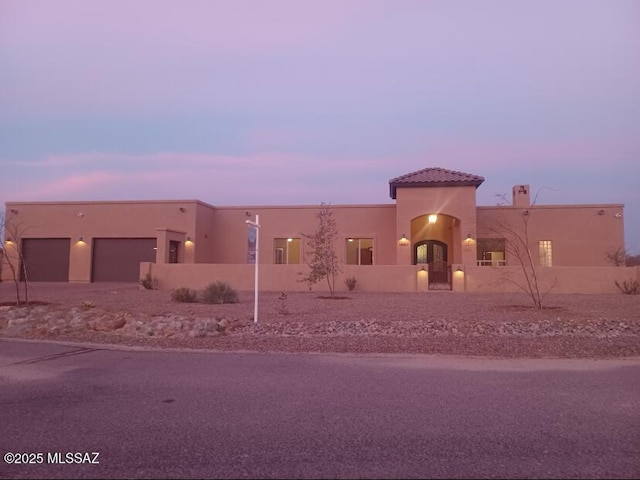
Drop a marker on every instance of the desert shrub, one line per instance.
(350, 282)
(184, 295)
(630, 287)
(219, 292)
(149, 282)
(87, 305)
(283, 308)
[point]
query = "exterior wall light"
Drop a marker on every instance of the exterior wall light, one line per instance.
(14, 211)
(289, 239)
(188, 241)
(459, 270)
(80, 238)
(433, 218)
(404, 241)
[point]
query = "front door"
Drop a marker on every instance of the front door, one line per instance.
(434, 254)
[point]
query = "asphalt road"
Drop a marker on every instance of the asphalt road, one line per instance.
(221, 415)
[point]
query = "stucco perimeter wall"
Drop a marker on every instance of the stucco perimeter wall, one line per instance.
(285, 278)
(551, 280)
(390, 278)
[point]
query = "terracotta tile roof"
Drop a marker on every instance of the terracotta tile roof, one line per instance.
(434, 177)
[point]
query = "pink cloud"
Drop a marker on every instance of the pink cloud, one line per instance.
(70, 186)
(260, 179)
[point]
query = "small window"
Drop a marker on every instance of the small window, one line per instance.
(546, 259)
(286, 251)
(359, 251)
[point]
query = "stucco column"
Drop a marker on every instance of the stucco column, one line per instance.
(457, 278)
(469, 253)
(162, 245)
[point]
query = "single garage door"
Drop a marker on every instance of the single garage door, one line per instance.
(118, 259)
(46, 259)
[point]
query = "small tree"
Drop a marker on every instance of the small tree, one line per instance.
(517, 245)
(13, 257)
(323, 261)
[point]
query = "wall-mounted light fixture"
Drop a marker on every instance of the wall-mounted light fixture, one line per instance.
(618, 215)
(600, 212)
(182, 209)
(404, 241)
(188, 241)
(422, 269)
(525, 213)
(81, 238)
(14, 211)
(433, 218)
(289, 239)
(79, 214)
(459, 270)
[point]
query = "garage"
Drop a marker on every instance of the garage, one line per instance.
(46, 259)
(118, 259)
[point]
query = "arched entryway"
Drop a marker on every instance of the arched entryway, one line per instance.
(435, 255)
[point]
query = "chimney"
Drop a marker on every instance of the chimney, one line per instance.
(521, 196)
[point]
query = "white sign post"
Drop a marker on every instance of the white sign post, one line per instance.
(256, 226)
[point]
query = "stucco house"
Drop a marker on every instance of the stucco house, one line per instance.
(433, 237)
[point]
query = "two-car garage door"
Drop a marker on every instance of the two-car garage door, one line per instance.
(113, 259)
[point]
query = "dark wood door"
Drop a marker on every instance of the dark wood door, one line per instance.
(434, 254)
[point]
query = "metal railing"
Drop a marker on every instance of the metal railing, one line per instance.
(492, 263)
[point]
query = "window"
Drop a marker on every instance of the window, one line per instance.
(286, 251)
(491, 252)
(545, 253)
(359, 251)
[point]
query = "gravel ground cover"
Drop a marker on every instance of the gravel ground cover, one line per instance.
(502, 325)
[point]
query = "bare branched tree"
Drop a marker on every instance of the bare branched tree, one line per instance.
(13, 257)
(322, 258)
(517, 246)
(617, 258)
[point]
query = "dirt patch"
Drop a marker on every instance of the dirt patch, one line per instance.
(434, 322)
(31, 304)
